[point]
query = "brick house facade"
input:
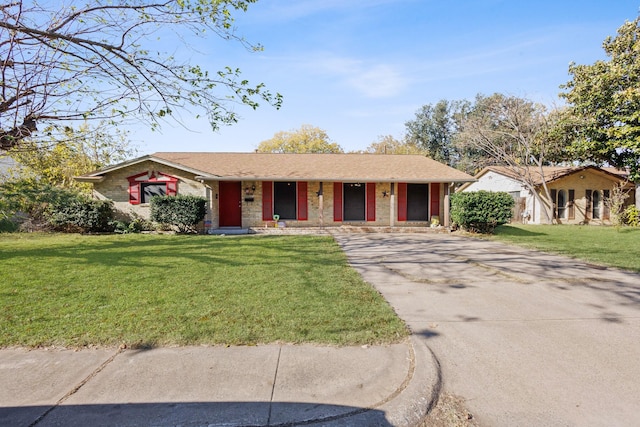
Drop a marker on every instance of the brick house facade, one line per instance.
(250, 190)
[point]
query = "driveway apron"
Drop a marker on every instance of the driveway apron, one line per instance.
(527, 338)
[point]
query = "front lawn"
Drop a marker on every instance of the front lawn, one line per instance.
(611, 246)
(150, 290)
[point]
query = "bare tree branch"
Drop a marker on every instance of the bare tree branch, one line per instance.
(101, 61)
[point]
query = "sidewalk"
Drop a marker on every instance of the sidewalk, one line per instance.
(270, 385)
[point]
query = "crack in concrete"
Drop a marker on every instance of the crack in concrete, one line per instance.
(75, 389)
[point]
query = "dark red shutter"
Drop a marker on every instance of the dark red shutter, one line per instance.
(267, 200)
(606, 213)
(554, 204)
(572, 208)
(337, 201)
(134, 192)
(371, 201)
(402, 201)
(302, 201)
(435, 200)
(172, 188)
(587, 208)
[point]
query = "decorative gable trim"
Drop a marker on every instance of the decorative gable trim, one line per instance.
(135, 181)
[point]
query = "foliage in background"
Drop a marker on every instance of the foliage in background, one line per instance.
(615, 203)
(183, 211)
(433, 129)
(72, 153)
(604, 102)
(94, 60)
(516, 133)
(307, 139)
(27, 201)
(36, 205)
(481, 211)
(389, 145)
(631, 216)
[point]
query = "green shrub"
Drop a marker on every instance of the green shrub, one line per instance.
(182, 212)
(481, 211)
(81, 215)
(631, 216)
(136, 224)
(8, 226)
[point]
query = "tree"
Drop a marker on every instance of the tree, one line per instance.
(307, 139)
(389, 145)
(62, 62)
(432, 129)
(517, 134)
(78, 151)
(604, 100)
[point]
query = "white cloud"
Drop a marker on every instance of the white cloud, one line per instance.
(378, 81)
(368, 78)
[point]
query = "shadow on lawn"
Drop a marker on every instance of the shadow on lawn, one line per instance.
(136, 250)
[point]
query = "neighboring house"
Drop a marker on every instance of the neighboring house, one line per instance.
(8, 168)
(299, 190)
(578, 193)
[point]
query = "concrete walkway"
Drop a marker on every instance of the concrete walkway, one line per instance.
(529, 339)
(269, 385)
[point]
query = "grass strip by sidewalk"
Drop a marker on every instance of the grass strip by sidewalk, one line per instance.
(151, 290)
(610, 246)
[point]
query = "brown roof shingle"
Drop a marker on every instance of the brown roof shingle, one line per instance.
(317, 167)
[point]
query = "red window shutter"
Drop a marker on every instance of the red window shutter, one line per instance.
(134, 192)
(554, 202)
(606, 212)
(587, 196)
(172, 188)
(435, 199)
(371, 201)
(402, 201)
(572, 208)
(337, 201)
(302, 201)
(267, 201)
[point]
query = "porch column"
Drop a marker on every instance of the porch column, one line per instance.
(447, 219)
(392, 206)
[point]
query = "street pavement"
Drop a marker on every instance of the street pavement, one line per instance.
(526, 338)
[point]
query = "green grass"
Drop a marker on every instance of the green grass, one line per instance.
(610, 246)
(152, 290)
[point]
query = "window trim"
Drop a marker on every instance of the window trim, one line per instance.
(136, 181)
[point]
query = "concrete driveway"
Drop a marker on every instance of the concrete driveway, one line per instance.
(525, 337)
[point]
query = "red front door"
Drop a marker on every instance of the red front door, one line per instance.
(230, 204)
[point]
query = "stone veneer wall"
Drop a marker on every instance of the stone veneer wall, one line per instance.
(115, 187)
(591, 181)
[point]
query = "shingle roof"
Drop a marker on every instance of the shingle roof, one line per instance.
(312, 167)
(551, 173)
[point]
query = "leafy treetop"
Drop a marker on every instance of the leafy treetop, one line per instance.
(604, 103)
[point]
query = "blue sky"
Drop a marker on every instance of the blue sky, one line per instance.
(359, 69)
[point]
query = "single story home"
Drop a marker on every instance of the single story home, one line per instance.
(579, 193)
(249, 190)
